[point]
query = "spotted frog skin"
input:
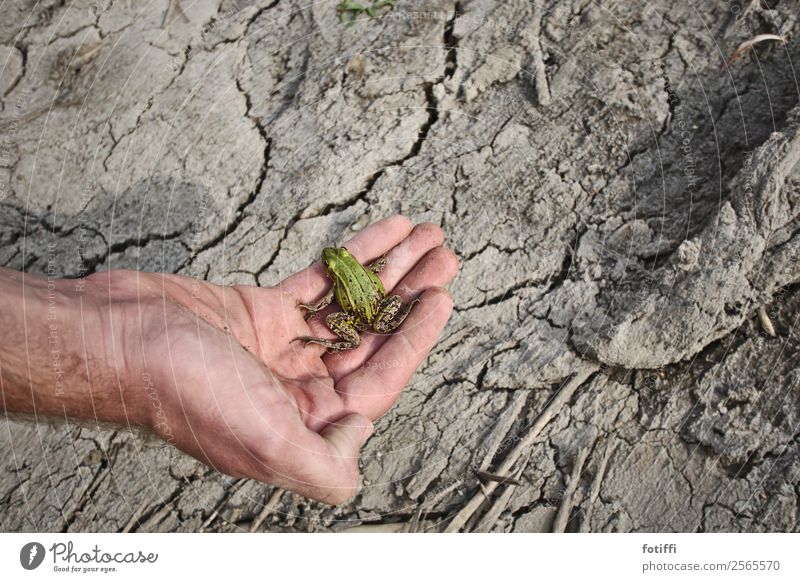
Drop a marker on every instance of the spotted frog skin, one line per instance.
(362, 298)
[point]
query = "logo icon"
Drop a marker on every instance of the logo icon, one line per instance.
(31, 555)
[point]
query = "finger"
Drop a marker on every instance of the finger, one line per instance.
(402, 258)
(322, 466)
(373, 388)
(372, 242)
(435, 269)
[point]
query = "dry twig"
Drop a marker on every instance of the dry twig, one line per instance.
(594, 490)
(748, 44)
(554, 406)
(134, 520)
(562, 517)
(491, 517)
(766, 323)
(542, 88)
(503, 480)
(269, 507)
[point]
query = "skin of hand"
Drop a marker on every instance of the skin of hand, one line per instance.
(215, 370)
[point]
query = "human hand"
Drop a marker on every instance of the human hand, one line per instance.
(220, 376)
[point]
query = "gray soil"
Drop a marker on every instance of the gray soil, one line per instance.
(622, 206)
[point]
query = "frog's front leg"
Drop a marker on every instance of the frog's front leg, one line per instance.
(342, 325)
(391, 313)
(378, 265)
(313, 308)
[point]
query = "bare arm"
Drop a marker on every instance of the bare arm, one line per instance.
(55, 359)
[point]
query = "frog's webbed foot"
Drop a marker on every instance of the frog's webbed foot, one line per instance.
(342, 325)
(379, 265)
(313, 308)
(391, 313)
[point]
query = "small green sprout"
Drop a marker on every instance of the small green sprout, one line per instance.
(349, 10)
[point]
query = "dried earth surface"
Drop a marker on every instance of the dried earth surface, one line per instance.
(622, 204)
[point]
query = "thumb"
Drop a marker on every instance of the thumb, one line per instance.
(348, 435)
(321, 465)
(339, 476)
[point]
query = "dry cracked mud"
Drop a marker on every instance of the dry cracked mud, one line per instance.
(623, 206)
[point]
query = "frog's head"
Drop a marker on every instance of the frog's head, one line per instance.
(333, 256)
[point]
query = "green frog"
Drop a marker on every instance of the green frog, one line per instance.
(362, 297)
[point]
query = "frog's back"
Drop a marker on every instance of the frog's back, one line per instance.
(359, 291)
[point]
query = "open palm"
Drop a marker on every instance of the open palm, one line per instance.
(238, 392)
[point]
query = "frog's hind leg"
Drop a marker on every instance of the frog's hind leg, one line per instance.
(342, 325)
(391, 313)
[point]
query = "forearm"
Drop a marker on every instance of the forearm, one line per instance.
(55, 357)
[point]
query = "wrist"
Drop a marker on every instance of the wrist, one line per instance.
(112, 305)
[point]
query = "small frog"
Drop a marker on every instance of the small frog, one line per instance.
(362, 297)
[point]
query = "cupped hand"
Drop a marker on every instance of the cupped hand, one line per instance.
(224, 380)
